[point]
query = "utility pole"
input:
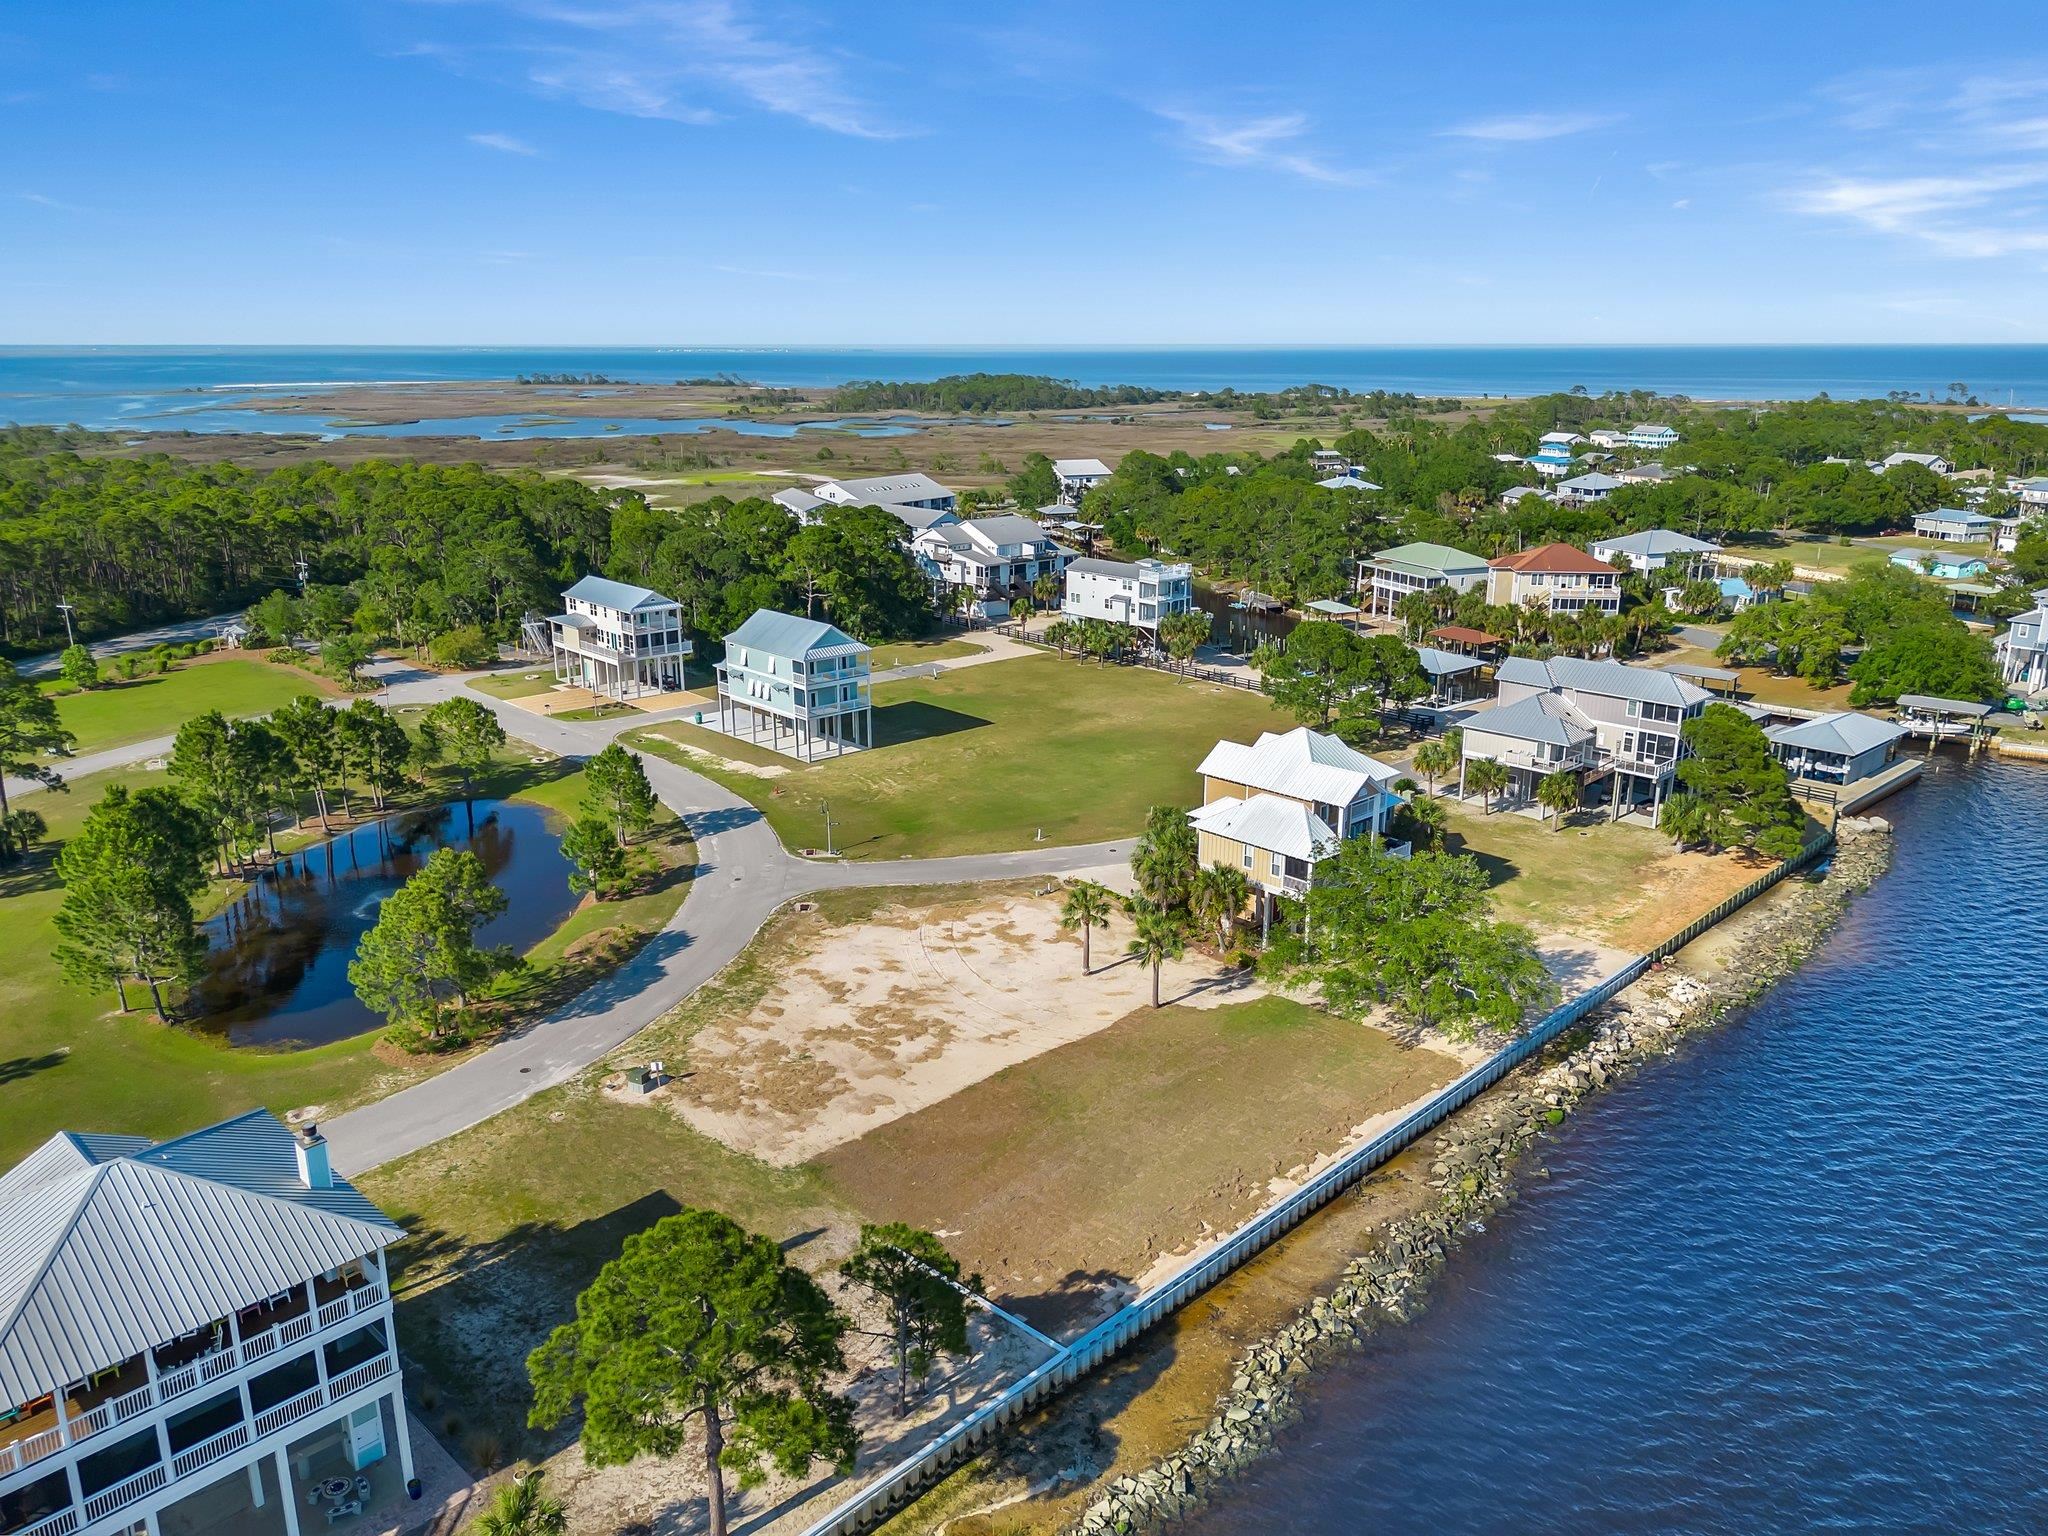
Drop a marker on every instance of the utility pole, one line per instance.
(828, 829)
(64, 608)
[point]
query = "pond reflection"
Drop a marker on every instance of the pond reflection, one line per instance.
(277, 965)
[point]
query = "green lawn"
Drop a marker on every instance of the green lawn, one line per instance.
(119, 712)
(1833, 556)
(521, 683)
(905, 653)
(70, 1061)
(981, 759)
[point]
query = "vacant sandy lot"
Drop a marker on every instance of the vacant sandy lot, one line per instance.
(872, 1022)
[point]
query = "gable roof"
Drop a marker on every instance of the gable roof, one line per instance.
(1348, 482)
(1542, 717)
(1435, 559)
(1657, 541)
(1596, 481)
(1079, 467)
(1959, 515)
(1268, 821)
(1444, 663)
(1610, 679)
(797, 499)
(787, 634)
(1302, 763)
(888, 490)
(1555, 558)
(1929, 459)
(109, 1244)
(1844, 731)
(1005, 528)
(621, 595)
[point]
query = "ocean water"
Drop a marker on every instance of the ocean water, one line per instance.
(1793, 1278)
(207, 389)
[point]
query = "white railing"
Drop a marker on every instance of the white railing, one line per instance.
(62, 1523)
(270, 1420)
(358, 1377)
(209, 1450)
(867, 1506)
(122, 1494)
(30, 1448)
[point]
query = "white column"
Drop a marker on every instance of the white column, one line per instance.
(287, 1496)
(256, 1483)
(404, 1431)
(63, 1423)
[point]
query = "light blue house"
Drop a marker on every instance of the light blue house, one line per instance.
(1940, 564)
(802, 682)
(1553, 456)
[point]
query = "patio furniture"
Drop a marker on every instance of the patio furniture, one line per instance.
(344, 1510)
(335, 1488)
(362, 1487)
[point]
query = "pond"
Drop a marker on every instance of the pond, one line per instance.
(277, 962)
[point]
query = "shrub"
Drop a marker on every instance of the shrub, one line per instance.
(464, 647)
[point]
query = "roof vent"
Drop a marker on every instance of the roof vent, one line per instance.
(314, 1170)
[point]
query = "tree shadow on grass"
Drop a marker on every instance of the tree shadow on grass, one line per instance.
(914, 720)
(36, 872)
(15, 1068)
(1498, 870)
(470, 1313)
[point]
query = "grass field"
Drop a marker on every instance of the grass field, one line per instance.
(119, 713)
(1064, 1177)
(1594, 879)
(982, 759)
(522, 683)
(907, 653)
(70, 1061)
(1762, 684)
(1830, 555)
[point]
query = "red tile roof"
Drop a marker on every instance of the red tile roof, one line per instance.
(1553, 557)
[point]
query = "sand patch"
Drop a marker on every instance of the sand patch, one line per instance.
(872, 1022)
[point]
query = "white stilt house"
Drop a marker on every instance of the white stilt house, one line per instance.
(196, 1336)
(618, 639)
(796, 685)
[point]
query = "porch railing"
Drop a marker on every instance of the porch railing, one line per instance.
(186, 1378)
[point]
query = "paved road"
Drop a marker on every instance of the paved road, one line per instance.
(743, 874)
(402, 684)
(181, 633)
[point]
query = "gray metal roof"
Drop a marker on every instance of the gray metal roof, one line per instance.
(1937, 706)
(1005, 528)
(1071, 468)
(112, 1245)
(1845, 732)
(893, 488)
(1655, 541)
(622, 595)
(1542, 717)
(1596, 481)
(1302, 763)
(1613, 679)
(1432, 559)
(790, 636)
(1444, 663)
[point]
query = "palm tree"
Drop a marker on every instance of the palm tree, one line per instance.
(1434, 759)
(1218, 894)
(521, 1509)
(1489, 778)
(1557, 793)
(1086, 908)
(1684, 819)
(1160, 938)
(1429, 819)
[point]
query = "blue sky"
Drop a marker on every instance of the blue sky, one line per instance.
(750, 171)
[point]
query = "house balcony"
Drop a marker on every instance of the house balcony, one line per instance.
(121, 1393)
(1531, 762)
(596, 643)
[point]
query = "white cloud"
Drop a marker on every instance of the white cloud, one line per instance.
(504, 143)
(1993, 212)
(681, 61)
(1528, 127)
(1256, 143)
(55, 205)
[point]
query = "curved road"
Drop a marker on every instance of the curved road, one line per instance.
(743, 874)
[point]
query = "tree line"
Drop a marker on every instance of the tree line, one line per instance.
(976, 393)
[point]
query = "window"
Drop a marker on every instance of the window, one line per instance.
(1247, 855)
(1279, 864)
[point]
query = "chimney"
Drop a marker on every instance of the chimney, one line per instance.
(314, 1171)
